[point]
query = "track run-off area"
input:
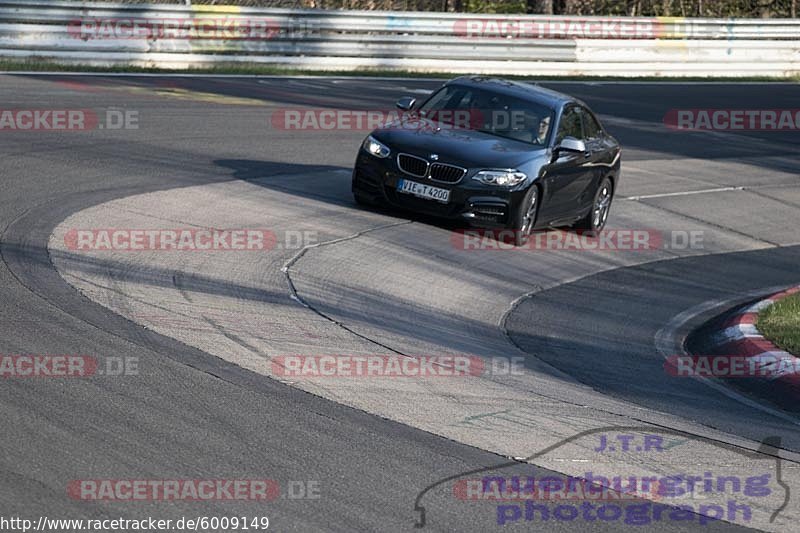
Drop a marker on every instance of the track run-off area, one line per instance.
(572, 342)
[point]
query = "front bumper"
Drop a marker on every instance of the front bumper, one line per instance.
(470, 201)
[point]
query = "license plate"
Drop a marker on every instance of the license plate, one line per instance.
(421, 190)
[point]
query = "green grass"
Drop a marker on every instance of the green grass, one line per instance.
(270, 70)
(780, 323)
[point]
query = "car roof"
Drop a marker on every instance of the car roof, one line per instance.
(520, 89)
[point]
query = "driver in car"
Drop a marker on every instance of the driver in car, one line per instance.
(544, 127)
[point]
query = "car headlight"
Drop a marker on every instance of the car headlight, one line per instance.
(375, 147)
(501, 178)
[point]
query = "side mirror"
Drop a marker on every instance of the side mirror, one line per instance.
(406, 103)
(571, 144)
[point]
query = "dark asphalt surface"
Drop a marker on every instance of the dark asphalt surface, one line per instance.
(624, 362)
(191, 415)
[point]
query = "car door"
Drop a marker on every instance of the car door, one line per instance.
(594, 138)
(569, 175)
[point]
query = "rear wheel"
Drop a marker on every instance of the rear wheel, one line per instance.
(597, 217)
(525, 217)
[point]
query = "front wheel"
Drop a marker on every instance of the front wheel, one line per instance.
(363, 200)
(525, 217)
(597, 217)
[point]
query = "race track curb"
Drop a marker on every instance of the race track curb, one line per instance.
(737, 335)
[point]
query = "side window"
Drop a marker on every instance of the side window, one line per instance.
(570, 125)
(591, 128)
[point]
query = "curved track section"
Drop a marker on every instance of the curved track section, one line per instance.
(376, 282)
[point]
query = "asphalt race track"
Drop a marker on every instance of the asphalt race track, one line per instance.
(590, 327)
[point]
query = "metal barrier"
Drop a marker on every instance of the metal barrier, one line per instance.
(178, 36)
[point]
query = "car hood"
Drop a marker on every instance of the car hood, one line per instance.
(458, 146)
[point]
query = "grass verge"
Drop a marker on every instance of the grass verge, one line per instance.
(780, 323)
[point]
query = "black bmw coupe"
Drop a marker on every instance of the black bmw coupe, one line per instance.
(493, 153)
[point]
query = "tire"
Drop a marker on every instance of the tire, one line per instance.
(525, 217)
(362, 200)
(596, 219)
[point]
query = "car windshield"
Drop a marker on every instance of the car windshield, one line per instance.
(489, 112)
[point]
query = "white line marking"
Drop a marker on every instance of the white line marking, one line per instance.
(758, 306)
(735, 333)
(684, 193)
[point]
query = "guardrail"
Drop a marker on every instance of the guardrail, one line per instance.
(177, 36)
